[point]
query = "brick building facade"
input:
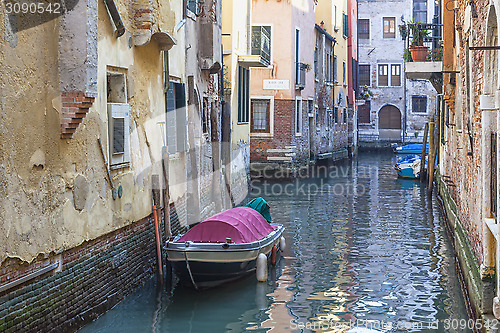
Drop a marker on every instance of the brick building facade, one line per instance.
(468, 155)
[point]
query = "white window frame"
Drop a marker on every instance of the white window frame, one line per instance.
(389, 74)
(298, 116)
(395, 29)
(271, 117)
(118, 110)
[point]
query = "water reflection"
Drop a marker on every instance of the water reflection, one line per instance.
(363, 247)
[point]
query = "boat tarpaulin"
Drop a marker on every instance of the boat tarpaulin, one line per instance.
(241, 224)
(260, 205)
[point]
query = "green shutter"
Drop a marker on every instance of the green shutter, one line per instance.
(345, 23)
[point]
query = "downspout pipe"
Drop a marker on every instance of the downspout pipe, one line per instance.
(115, 17)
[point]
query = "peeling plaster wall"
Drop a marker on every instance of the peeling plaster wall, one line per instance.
(38, 170)
(55, 193)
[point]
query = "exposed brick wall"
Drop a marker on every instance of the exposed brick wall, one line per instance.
(75, 106)
(94, 277)
(284, 111)
(461, 162)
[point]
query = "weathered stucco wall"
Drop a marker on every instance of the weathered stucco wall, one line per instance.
(41, 175)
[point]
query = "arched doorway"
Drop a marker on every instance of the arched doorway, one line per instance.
(389, 123)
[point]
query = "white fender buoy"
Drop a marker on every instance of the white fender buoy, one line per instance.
(282, 244)
(262, 268)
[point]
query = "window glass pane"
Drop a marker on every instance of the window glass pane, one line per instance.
(364, 28)
(389, 27)
(259, 115)
(364, 75)
(383, 78)
(118, 135)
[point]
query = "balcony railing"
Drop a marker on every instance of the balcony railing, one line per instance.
(261, 43)
(429, 35)
(300, 75)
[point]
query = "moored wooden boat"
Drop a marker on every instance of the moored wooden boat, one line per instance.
(223, 247)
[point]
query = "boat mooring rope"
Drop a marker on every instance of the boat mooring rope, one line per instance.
(189, 270)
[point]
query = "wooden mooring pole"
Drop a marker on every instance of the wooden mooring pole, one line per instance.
(424, 150)
(155, 185)
(432, 154)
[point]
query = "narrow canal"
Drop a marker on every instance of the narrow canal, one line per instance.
(362, 247)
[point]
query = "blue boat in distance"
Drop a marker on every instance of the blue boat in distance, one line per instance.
(408, 167)
(412, 148)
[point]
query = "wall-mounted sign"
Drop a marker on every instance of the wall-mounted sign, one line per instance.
(276, 84)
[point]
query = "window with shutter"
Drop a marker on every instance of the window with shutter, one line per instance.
(345, 21)
(383, 76)
(176, 117)
(243, 95)
(118, 120)
(298, 116)
(119, 134)
(181, 116)
(395, 75)
(170, 119)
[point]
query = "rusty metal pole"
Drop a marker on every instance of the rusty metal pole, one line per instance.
(424, 150)
(432, 153)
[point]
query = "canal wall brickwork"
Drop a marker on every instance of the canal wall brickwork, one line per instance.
(91, 278)
(479, 287)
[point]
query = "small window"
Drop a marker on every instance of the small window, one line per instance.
(329, 75)
(419, 104)
(260, 116)
(205, 115)
(344, 73)
(298, 116)
(395, 75)
(336, 115)
(420, 11)
(192, 5)
(243, 95)
(364, 29)
(310, 107)
(389, 27)
(383, 77)
(175, 117)
(118, 120)
(345, 25)
(335, 69)
(364, 76)
(316, 69)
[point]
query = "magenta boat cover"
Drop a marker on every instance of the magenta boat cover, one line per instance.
(241, 224)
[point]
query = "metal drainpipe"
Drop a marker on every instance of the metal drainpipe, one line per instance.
(249, 13)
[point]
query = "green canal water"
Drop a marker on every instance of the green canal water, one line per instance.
(366, 252)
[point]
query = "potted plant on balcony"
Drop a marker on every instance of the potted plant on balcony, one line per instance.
(417, 48)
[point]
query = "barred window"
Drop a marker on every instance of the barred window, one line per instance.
(419, 104)
(364, 76)
(364, 28)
